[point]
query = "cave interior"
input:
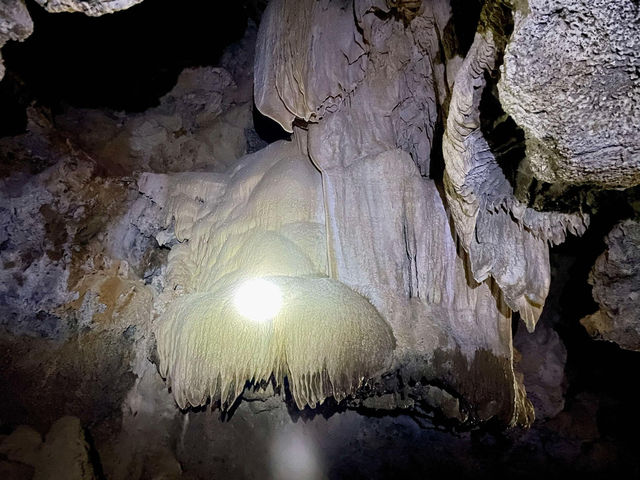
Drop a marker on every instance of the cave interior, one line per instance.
(319, 239)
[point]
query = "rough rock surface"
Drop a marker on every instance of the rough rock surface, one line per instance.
(616, 287)
(505, 239)
(55, 248)
(72, 295)
(571, 80)
(65, 453)
(541, 359)
(15, 24)
(200, 124)
(23, 445)
(89, 264)
(93, 8)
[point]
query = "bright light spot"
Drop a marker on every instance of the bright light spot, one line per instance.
(258, 300)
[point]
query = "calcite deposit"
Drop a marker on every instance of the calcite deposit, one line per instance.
(425, 163)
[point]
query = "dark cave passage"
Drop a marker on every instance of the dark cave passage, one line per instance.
(124, 61)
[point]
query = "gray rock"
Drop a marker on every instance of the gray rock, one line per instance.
(92, 8)
(199, 125)
(542, 359)
(571, 80)
(505, 239)
(616, 287)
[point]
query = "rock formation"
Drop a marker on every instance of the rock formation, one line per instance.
(616, 286)
(264, 221)
(571, 81)
(63, 454)
(88, 7)
(15, 24)
(428, 162)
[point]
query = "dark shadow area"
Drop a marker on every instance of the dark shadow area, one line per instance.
(94, 457)
(466, 14)
(599, 369)
(436, 158)
(268, 129)
(14, 99)
(591, 365)
(503, 135)
(121, 61)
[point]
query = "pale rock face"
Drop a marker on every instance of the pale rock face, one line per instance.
(371, 124)
(329, 26)
(616, 287)
(65, 453)
(571, 80)
(263, 221)
(92, 8)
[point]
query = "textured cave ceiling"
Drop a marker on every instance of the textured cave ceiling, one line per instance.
(445, 193)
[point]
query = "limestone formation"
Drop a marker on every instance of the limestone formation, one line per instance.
(371, 119)
(505, 239)
(571, 80)
(200, 123)
(93, 8)
(436, 152)
(616, 287)
(64, 453)
(262, 221)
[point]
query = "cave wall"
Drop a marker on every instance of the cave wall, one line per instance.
(109, 218)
